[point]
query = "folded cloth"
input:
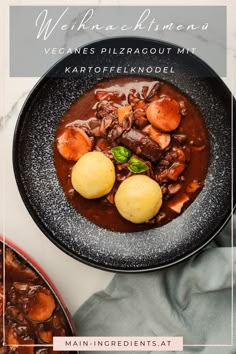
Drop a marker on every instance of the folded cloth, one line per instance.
(192, 299)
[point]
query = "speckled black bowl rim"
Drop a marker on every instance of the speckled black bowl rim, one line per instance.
(47, 231)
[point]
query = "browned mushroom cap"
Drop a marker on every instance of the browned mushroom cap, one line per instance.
(73, 143)
(46, 336)
(164, 114)
(43, 307)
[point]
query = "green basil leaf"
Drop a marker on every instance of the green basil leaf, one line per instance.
(137, 166)
(121, 154)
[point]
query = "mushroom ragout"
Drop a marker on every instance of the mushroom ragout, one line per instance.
(143, 126)
(31, 313)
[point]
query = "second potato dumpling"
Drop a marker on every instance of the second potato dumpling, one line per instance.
(138, 199)
(93, 175)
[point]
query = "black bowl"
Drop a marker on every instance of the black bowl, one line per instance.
(44, 198)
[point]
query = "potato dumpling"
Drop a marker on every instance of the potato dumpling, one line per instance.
(93, 175)
(138, 198)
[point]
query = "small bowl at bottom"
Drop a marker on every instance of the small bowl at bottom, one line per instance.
(33, 311)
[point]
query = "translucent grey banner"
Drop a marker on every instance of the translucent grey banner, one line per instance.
(40, 36)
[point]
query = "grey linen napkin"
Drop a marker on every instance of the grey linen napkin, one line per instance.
(191, 299)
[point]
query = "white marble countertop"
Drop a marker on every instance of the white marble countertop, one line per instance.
(75, 281)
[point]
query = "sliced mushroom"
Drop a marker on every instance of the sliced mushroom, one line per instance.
(162, 139)
(174, 188)
(73, 143)
(122, 112)
(181, 138)
(104, 108)
(108, 95)
(177, 204)
(175, 170)
(193, 186)
(106, 123)
(172, 173)
(133, 97)
(154, 91)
